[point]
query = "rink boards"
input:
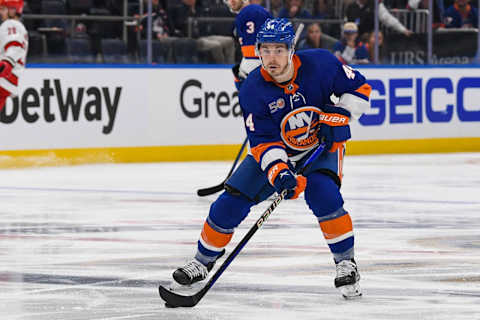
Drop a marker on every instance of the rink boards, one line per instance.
(82, 114)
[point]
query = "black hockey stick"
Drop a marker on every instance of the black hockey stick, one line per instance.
(173, 300)
(211, 190)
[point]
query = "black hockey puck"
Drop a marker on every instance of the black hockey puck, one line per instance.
(167, 305)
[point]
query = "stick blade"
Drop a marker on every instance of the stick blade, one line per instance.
(173, 300)
(208, 191)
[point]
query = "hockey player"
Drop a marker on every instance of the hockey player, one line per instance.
(250, 17)
(13, 48)
(287, 111)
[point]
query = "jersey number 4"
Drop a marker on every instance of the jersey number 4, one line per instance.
(249, 122)
(349, 72)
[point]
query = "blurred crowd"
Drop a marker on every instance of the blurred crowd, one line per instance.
(342, 26)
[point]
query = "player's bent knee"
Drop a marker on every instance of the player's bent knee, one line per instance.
(322, 194)
(229, 210)
(249, 181)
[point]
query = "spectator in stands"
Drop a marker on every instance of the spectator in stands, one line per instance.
(438, 10)
(316, 39)
(461, 15)
(114, 6)
(179, 14)
(80, 31)
(294, 9)
(396, 4)
(32, 6)
(164, 4)
(322, 9)
(370, 45)
(221, 48)
(160, 23)
(448, 3)
(31, 24)
(362, 13)
(275, 7)
(348, 50)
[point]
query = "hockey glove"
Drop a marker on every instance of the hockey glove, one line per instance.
(239, 76)
(282, 178)
(334, 130)
(5, 69)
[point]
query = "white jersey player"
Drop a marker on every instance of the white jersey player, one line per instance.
(13, 48)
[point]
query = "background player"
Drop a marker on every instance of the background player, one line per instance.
(287, 111)
(250, 17)
(247, 23)
(13, 48)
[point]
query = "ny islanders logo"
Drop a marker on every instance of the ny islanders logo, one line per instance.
(299, 128)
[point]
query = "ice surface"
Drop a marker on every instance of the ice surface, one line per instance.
(94, 242)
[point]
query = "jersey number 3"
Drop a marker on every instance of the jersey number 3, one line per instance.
(249, 122)
(250, 27)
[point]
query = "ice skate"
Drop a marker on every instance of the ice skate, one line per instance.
(194, 271)
(347, 279)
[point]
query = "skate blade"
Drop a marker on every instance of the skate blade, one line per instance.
(351, 291)
(184, 289)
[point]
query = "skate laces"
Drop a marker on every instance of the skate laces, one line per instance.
(345, 268)
(195, 269)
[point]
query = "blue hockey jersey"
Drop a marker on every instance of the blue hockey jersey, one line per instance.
(281, 120)
(247, 23)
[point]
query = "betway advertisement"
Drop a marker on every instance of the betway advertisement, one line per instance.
(130, 107)
(124, 107)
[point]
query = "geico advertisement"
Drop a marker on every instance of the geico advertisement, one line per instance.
(421, 103)
(94, 107)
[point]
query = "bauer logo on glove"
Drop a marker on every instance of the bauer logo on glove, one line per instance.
(334, 130)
